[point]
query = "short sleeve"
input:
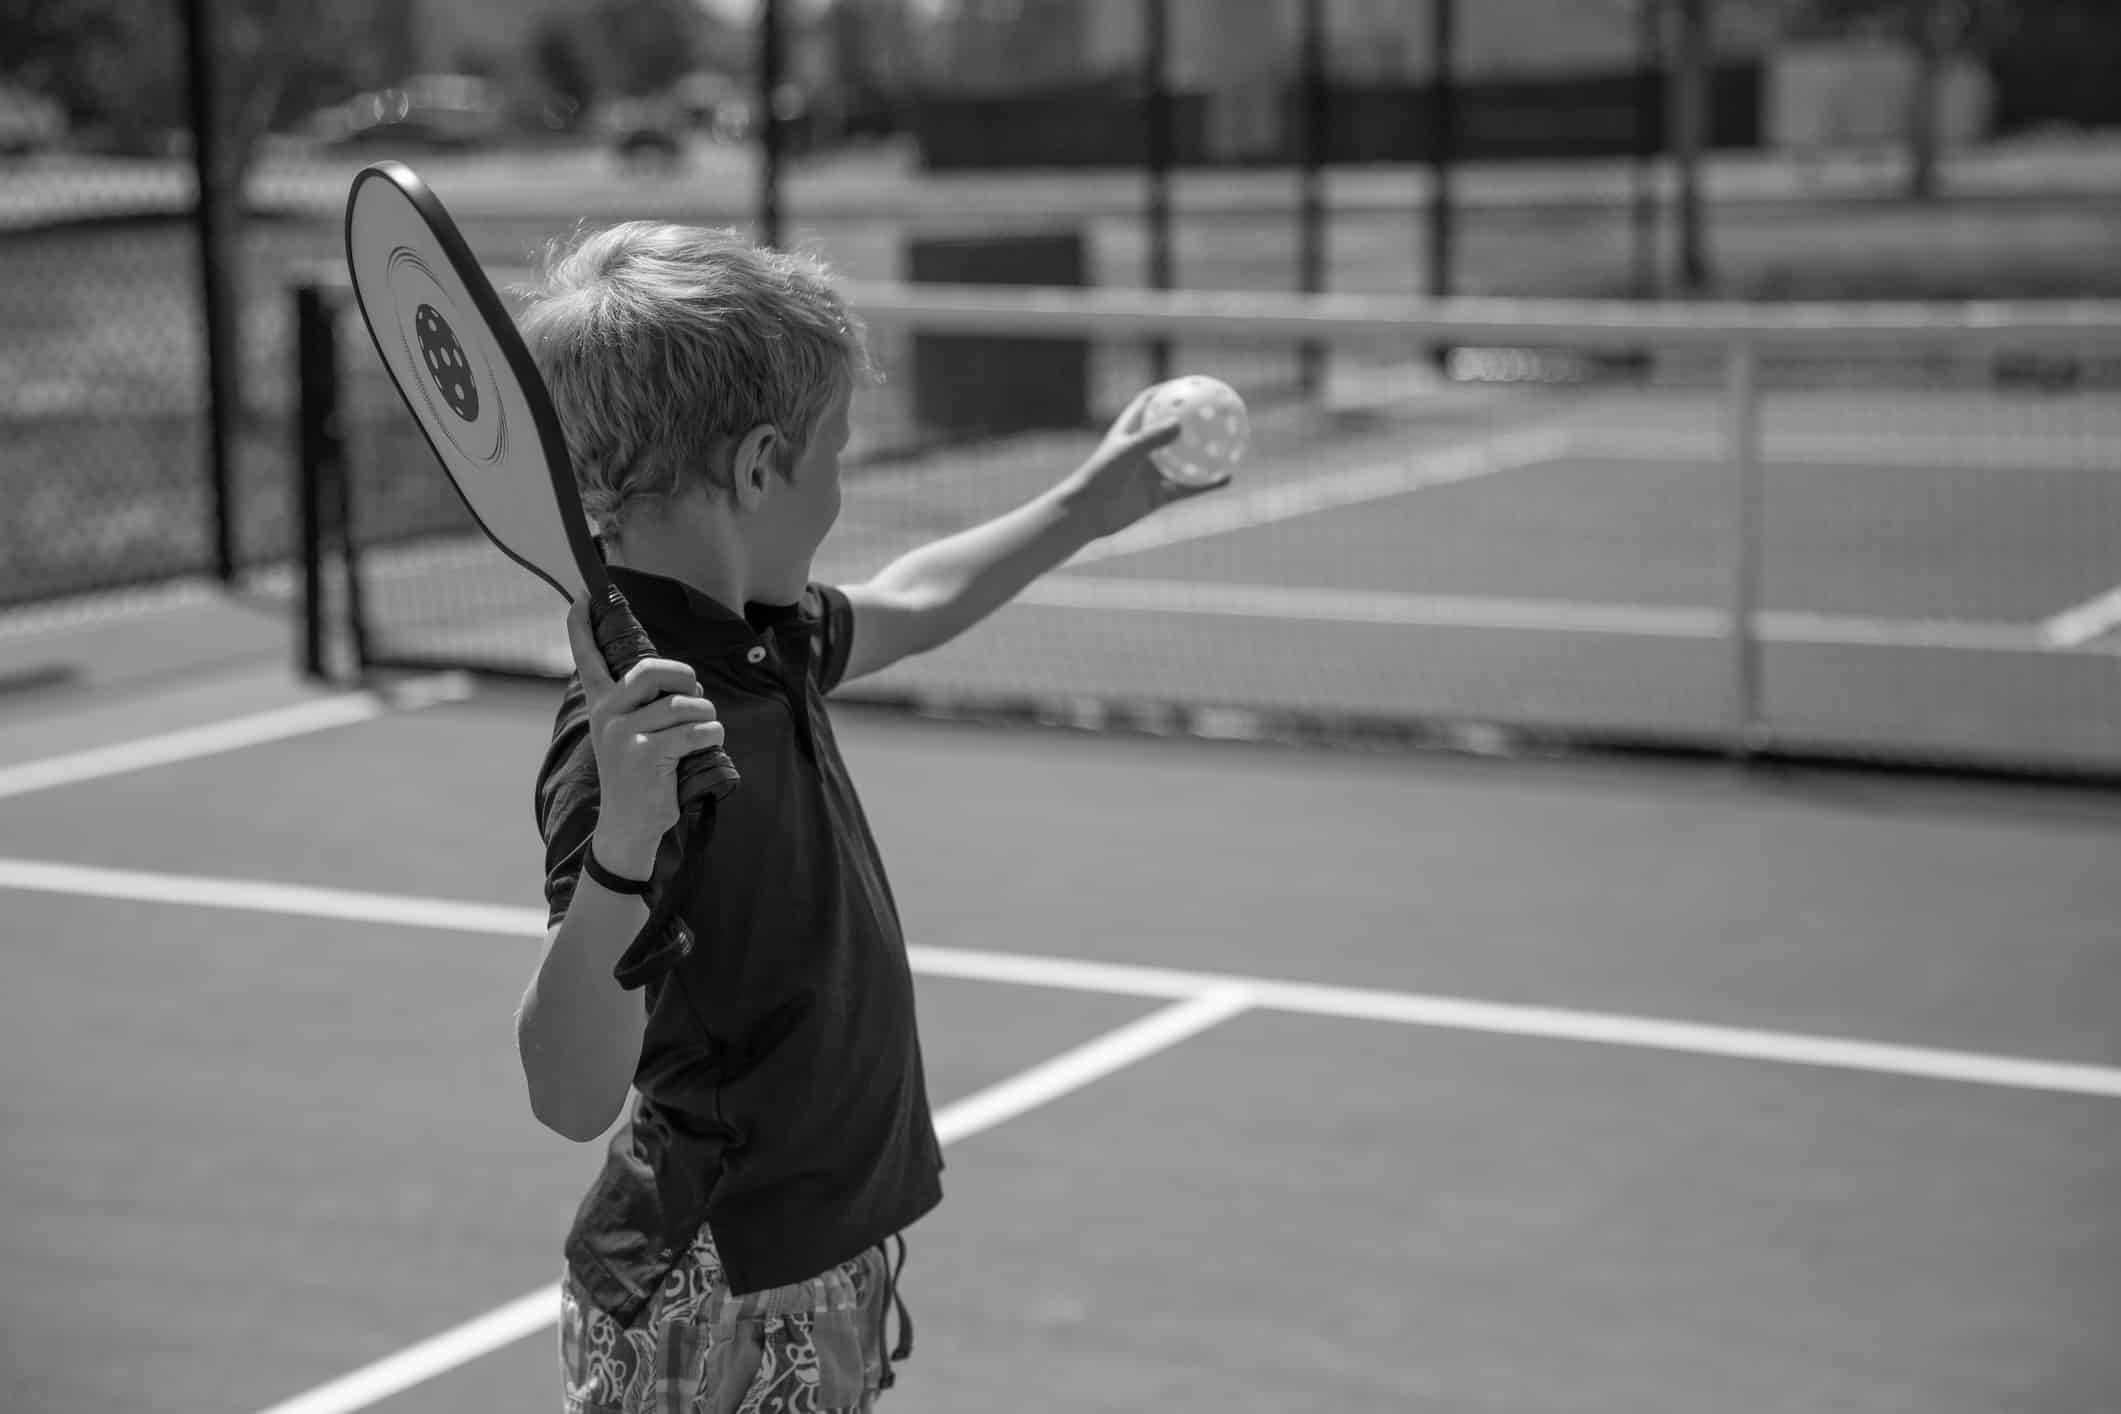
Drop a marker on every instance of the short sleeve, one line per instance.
(567, 801)
(831, 619)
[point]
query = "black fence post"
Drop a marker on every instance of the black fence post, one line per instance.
(1692, 55)
(317, 459)
(214, 213)
(1443, 151)
(1156, 69)
(1316, 97)
(339, 506)
(1649, 140)
(771, 130)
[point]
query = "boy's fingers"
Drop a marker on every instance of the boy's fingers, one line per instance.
(1162, 434)
(681, 741)
(650, 679)
(588, 658)
(1130, 419)
(1185, 490)
(674, 710)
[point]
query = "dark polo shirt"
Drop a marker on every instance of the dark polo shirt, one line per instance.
(781, 1099)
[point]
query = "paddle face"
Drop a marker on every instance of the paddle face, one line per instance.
(463, 370)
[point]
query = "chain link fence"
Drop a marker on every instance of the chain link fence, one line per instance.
(618, 108)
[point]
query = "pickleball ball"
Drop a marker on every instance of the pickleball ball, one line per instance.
(1217, 431)
(446, 363)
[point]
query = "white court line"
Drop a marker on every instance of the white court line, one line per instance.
(59, 615)
(437, 1355)
(1266, 994)
(214, 738)
(997, 1104)
(1550, 1023)
(2077, 626)
(260, 896)
(1855, 449)
(1175, 596)
(1115, 1050)
(1232, 510)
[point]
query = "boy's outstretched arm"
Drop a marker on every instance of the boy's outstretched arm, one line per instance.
(928, 596)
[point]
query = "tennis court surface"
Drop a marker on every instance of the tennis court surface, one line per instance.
(1273, 1078)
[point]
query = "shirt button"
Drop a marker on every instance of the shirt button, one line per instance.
(754, 654)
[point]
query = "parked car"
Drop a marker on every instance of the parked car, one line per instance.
(427, 110)
(29, 122)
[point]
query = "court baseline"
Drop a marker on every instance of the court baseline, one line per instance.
(1478, 611)
(1126, 979)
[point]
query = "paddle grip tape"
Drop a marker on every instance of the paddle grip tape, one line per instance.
(707, 774)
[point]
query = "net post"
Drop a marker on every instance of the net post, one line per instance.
(316, 421)
(1742, 450)
(339, 486)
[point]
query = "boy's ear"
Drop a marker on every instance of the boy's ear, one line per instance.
(751, 465)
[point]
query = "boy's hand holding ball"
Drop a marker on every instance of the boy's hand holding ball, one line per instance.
(1175, 440)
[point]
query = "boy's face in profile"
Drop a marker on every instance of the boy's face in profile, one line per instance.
(800, 506)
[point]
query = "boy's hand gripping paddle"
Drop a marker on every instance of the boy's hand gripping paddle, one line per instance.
(465, 373)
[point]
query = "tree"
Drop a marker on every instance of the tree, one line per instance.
(648, 44)
(118, 65)
(564, 64)
(1935, 33)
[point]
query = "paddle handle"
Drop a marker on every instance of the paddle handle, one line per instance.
(707, 774)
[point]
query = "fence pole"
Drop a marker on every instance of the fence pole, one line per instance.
(1649, 141)
(770, 127)
(1742, 433)
(1443, 141)
(214, 220)
(1692, 55)
(1316, 105)
(1443, 152)
(320, 463)
(1156, 71)
(310, 450)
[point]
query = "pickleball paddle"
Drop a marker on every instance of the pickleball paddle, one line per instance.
(465, 373)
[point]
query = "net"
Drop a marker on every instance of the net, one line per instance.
(1888, 532)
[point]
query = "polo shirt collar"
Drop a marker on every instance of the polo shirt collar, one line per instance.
(682, 619)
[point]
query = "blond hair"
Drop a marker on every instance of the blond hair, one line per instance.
(662, 345)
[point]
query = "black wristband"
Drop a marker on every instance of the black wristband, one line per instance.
(617, 883)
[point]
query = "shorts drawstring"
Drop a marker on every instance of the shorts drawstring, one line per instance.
(883, 1315)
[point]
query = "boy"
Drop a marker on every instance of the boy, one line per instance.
(730, 1254)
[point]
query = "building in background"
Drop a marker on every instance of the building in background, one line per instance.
(1535, 78)
(994, 45)
(864, 67)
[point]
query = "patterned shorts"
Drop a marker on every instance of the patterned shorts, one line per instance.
(697, 1348)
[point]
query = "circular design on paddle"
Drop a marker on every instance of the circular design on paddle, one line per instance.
(446, 363)
(459, 377)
